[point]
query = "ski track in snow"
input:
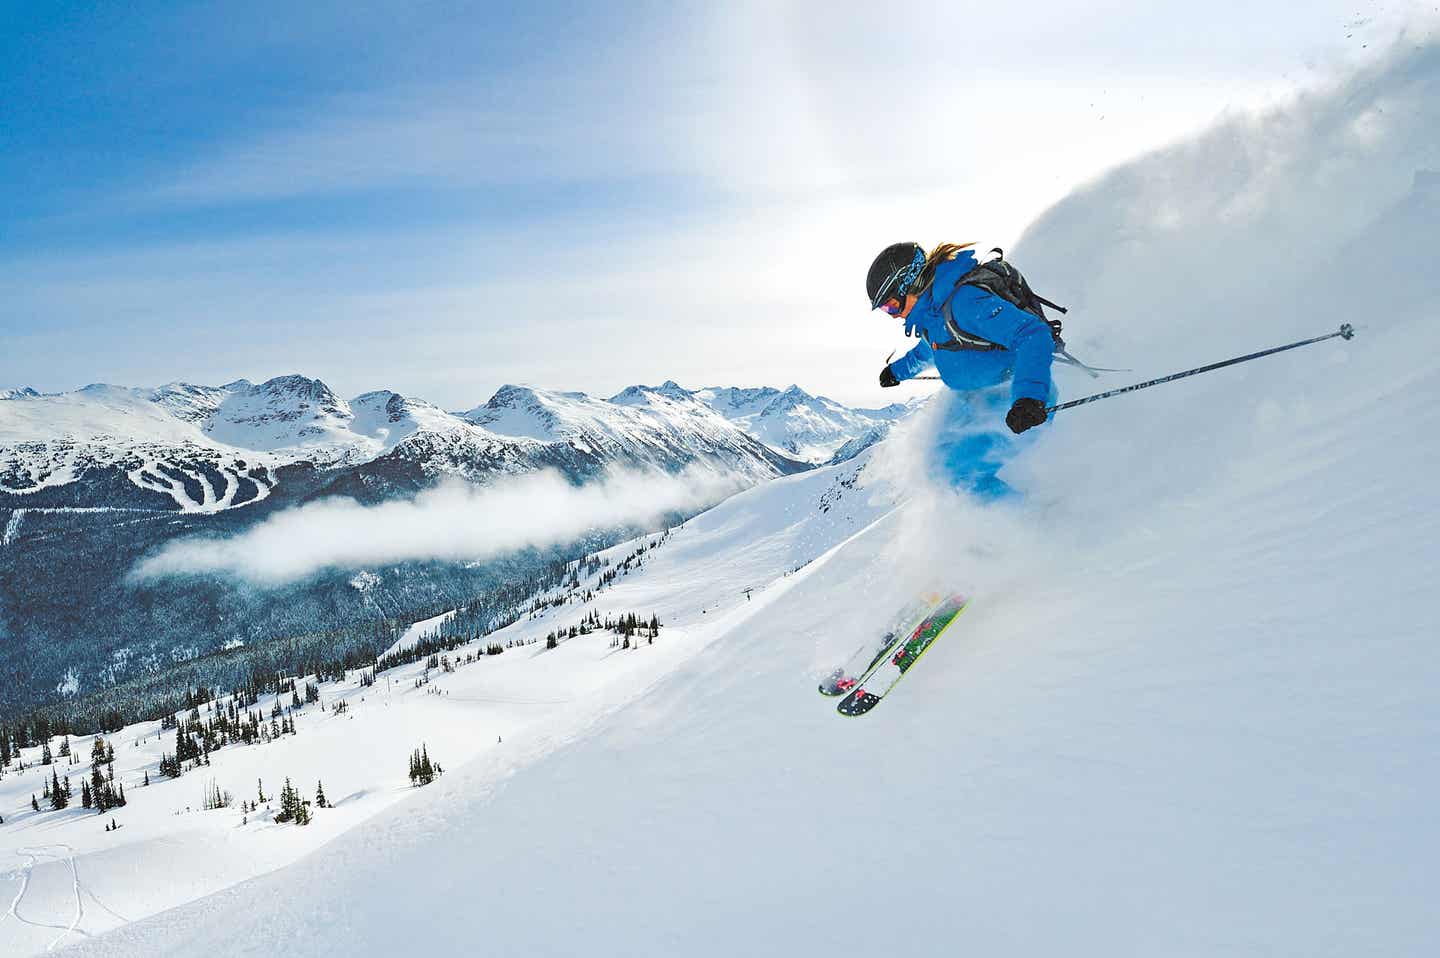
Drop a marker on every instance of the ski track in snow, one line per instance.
(12, 528)
(33, 856)
(150, 478)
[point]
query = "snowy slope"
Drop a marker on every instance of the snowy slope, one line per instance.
(1191, 711)
(72, 879)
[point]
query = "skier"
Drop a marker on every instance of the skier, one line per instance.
(994, 356)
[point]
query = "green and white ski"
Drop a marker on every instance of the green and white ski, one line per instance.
(881, 680)
(870, 656)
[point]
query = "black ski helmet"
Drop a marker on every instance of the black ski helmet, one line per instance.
(893, 271)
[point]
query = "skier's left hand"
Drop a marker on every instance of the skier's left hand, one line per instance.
(1025, 414)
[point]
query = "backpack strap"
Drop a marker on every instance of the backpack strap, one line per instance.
(1045, 302)
(961, 340)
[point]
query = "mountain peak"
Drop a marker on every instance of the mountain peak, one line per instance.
(301, 387)
(520, 411)
(669, 389)
(22, 392)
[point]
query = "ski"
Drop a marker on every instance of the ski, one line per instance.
(883, 678)
(869, 656)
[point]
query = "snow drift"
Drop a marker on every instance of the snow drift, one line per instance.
(1190, 712)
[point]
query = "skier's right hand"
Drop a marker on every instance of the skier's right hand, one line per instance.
(887, 378)
(1025, 414)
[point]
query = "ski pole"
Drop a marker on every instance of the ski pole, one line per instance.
(1346, 331)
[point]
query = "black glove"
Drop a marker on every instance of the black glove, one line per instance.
(887, 378)
(1025, 414)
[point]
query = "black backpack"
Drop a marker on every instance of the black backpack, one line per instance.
(999, 277)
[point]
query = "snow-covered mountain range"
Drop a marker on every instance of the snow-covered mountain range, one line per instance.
(209, 448)
(810, 428)
(95, 480)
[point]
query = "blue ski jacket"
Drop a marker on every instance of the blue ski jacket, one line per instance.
(1028, 344)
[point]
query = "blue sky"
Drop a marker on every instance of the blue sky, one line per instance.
(442, 197)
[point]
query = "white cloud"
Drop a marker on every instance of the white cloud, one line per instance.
(455, 522)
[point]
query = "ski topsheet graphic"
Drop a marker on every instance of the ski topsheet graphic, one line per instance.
(898, 659)
(866, 658)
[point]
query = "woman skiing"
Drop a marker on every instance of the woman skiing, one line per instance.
(978, 342)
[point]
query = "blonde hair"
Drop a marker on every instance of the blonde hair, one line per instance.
(941, 254)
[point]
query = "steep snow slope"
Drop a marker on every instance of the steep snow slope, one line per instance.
(1191, 712)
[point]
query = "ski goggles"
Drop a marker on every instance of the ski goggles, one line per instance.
(891, 307)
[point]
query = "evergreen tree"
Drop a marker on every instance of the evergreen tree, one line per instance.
(85, 798)
(45, 757)
(34, 804)
(422, 771)
(320, 801)
(98, 789)
(59, 797)
(292, 806)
